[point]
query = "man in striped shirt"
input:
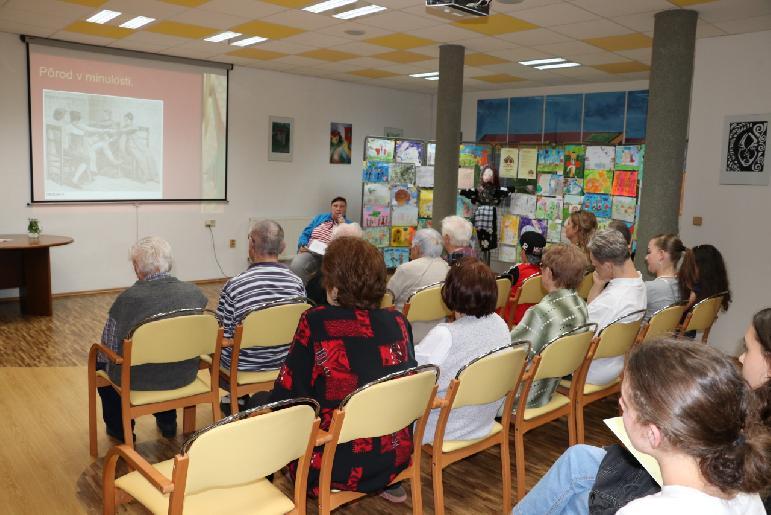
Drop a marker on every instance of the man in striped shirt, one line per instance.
(265, 280)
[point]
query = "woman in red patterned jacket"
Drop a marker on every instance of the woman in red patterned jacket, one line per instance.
(343, 346)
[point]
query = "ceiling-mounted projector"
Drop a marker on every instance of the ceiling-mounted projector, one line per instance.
(472, 7)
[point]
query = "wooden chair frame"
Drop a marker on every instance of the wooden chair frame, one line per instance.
(684, 327)
(522, 426)
(329, 500)
(503, 282)
(642, 336)
(585, 286)
(440, 459)
(516, 298)
(231, 374)
(387, 302)
(175, 486)
(130, 412)
(406, 308)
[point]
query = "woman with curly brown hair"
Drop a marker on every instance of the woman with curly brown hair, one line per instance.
(343, 346)
(580, 228)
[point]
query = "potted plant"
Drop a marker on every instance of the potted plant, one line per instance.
(33, 228)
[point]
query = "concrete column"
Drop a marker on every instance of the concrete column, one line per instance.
(666, 133)
(448, 108)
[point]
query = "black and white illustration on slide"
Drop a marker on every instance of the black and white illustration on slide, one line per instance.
(102, 146)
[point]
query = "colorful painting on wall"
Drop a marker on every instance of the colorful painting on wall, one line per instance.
(375, 216)
(425, 177)
(465, 178)
(600, 205)
(340, 137)
(409, 151)
(598, 181)
(554, 231)
(624, 208)
(375, 171)
(474, 154)
(523, 204)
(510, 229)
(549, 208)
(532, 224)
(464, 207)
(379, 149)
(403, 173)
(378, 236)
(404, 205)
(430, 154)
(629, 157)
(625, 183)
(507, 253)
(574, 186)
(376, 194)
(551, 159)
(425, 223)
(549, 184)
(395, 256)
(600, 157)
(426, 203)
(401, 236)
(570, 204)
(574, 161)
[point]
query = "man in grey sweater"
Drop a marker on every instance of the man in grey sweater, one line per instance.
(156, 291)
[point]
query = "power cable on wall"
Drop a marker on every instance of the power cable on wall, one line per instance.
(214, 250)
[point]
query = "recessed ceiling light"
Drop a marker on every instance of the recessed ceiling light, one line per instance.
(434, 77)
(543, 61)
(135, 23)
(222, 36)
(361, 11)
(561, 65)
(249, 41)
(424, 75)
(103, 16)
(326, 6)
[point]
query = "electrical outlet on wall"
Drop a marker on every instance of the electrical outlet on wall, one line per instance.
(232, 244)
(209, 223)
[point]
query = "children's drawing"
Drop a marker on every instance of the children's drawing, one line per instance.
(404, 205)
(571, 204)
(574, 161)
(629, 157)
(549, 185)
(395, 256)
(554, 231)
(375, 171)
(403, 173)
(425, 223)
(378, 236)
(598, 181)
(603, 223)
(625, 183)
(522, 204)
(531, 224)
(465, 178)
(624, 208)
(509, 229)
(475, 154)
(551, 159)
(600, 157)
(549, 208)
(425, 177)
(574, 186)
(509, 162)
(507, 253)
(379, 149)
(600, 205)
(376, 216)
(464, 207)
(376, 194)
(401, 236)
(528, 158)
(409, 151)
(430, 154)
(426, 203)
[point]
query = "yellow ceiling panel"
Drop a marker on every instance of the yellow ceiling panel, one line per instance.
(291, 4)
(625, 42)
(89, 3)
(372, 73)
(498, 78)
(256, 53)
(483, 60)
(266, 29)
(187, 3)
(324, 54)
(181, 30)
(96, 29)
(403, 56)
(495, 24)
(400, 41)
(685, 3)
(625, 67)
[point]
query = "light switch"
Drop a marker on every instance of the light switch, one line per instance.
(697, 220)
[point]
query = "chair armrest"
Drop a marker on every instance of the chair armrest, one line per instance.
(141, 465)
(111, 355)
(322, 438)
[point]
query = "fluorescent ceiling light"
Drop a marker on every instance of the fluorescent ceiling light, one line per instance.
(361, 11)
(424, 75)
(326, 6)
(104, 16)
(249, 41)
(561, 65)
(222, 36)
(434, 77)
(135, 23)
(543, 61)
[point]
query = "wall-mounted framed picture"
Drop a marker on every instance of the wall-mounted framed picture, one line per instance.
(393, 132)
(745, 156)
(281, 138)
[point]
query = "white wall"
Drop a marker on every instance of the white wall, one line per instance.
(256, 187)
(732, 75)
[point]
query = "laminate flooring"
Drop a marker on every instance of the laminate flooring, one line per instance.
(45, 466)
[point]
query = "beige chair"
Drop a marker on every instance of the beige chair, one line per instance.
(223, 468)
(586, 285)
(560, 357)
(426, 304)
(388, 300)
(702, 315)
(663, 322)
(267, 325)
(614, 340)
(379, 408)
(164, 338)
(504, 292)
(530, 292)
(486, 379)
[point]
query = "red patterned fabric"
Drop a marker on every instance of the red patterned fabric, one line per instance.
(335, 351)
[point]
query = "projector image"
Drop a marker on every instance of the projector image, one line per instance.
(472, 7)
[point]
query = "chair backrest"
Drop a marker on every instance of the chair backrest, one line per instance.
(250, 445)
(489, 377)
(426, 304)
(564, 354)
(389, 404)
(618, 336)
(664, 321)
(531, 291)
(388, 300)
(273, 323)
(586, 285)
(504, 290)
(704, 312)
(174, 336)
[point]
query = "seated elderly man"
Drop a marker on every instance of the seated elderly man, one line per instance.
(618, 289)
(426, 266)
(315, 287)
(456, 232)
(156, 291)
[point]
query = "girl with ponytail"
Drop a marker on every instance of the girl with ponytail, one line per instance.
(702, 274)
(662, 257)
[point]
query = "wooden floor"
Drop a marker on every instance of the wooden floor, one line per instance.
(45, 466)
